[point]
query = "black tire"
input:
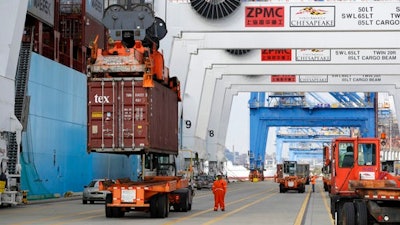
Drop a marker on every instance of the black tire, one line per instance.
(185, 203)
(190, 206)
(302, 188)
(158, 206)
(153, 206)
(281, 188)
(117, 212)
(167, 206)
(361, 212)
(84, 202)
(190, 196)
(348, 214)
(91, 202)
(162, 201)
(109, 211)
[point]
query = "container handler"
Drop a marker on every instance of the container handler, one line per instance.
(361, 193)
(288, 178)
(256, 175)
(133, 110)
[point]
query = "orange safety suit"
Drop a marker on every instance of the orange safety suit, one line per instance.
(219, 190)
(313, 183)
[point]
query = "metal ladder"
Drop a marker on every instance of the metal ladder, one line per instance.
(21, 82)
(12, 152)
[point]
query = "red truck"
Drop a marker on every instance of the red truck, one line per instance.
(361, 193)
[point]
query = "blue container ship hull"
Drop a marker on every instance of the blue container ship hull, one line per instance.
(54, 159)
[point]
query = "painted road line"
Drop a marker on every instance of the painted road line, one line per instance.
(237, 210)
(211, 209)
(300, 215)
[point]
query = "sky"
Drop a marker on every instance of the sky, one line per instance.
(238, 134)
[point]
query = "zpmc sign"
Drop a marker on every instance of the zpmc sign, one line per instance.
(265, 16)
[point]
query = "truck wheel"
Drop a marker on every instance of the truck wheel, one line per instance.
(158, 206)
(167, 206)
(281, 188)
(190, 206)
(117, 212)
(190, 196)
(185, 203)
(348, 214)
(302, 188)
(162, 206)
(109, 212)
(153, 206)
(361, 212)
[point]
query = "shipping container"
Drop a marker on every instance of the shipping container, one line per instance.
(126, 118)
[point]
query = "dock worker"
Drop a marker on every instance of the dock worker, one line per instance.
(313, 183)
(219, 191)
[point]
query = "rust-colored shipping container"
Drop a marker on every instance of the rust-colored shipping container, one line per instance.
(126, 118)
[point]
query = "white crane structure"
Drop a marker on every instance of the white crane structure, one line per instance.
(12, 26)
(357, 51)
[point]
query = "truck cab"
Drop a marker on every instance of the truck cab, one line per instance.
(361, 193)
(354, 159)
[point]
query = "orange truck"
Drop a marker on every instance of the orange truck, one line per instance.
(288, 178)
(361, 193)
(133, 110)
(155, 194)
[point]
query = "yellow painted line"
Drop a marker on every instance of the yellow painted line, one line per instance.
(209, 210)
(327, 207)
(237, 210)
(301, 213)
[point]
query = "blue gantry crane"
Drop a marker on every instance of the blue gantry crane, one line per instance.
(292, 110)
